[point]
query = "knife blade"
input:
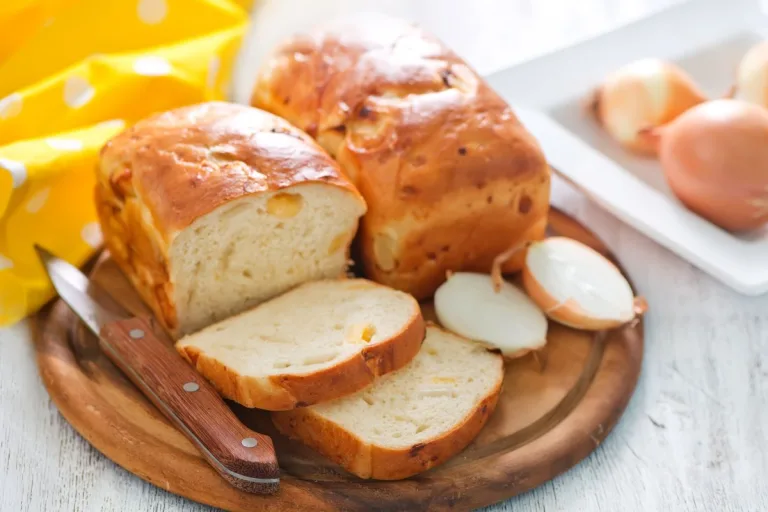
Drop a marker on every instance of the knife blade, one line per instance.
(244, 458)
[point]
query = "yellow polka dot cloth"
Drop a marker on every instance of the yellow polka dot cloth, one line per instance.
(73, 73)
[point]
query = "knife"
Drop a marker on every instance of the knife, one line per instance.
(244, 458)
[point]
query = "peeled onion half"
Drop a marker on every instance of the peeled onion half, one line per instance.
(509, 320)
(576, 285)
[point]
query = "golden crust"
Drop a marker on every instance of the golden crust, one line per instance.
(157, 177)
(434, 150)
(287, 391)
(187, 162)
(381, 463)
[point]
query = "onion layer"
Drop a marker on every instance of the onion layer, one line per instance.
(507, 319)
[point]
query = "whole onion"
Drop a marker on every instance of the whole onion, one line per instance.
(715, 159)
(641, 95)
(752, 77)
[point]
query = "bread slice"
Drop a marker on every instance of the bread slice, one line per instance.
(211, 209)
(410, 420)
(320, 341)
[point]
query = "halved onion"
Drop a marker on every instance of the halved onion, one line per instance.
(509, 320)
(577, 286)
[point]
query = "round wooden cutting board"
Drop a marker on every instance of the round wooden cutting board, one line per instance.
(546, 421)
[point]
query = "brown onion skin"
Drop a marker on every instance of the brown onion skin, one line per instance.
(715, 159)
(624, 95)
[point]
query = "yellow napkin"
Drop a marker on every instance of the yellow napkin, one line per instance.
(73, 73)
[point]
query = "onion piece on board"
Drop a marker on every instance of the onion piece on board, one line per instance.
(509, 320)
(577, 286)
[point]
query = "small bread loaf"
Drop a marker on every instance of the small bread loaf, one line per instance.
(214, 208)
(319, 341)
(410, 420)
(450, 175)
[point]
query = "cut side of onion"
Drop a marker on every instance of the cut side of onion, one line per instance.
(577, 286)
(508, 320)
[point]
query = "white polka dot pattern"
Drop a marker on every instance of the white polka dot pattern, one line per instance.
(91, 235)
(77, 91)
(17, 169)
(151, 65)
(10, 106)
(112, 124)
(63, 144)
(62, 108)
(152, 12)
(37, 201)
(5, 262)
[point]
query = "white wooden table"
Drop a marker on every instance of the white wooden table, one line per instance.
(695, 435)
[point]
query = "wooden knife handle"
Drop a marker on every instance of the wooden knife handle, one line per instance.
(243, 457)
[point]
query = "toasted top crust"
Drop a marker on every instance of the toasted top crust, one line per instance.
(186, 162)
(407, 118)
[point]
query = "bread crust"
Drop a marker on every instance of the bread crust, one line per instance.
(437, 154)
(166, 171)
(381, 463)
(289, 390)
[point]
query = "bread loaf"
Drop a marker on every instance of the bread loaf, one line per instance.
(410, 420)
(214, 208)
(319, 341)
(450, 175)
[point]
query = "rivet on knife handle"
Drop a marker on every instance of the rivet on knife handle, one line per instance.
(246, 459)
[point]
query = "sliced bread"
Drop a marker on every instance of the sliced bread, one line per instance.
(319, 341)
(211, 209)
(410, 420)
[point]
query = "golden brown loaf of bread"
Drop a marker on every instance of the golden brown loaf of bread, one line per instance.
(450, 176)
(213, 208)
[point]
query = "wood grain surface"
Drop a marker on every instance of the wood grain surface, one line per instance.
(547, 420)
(693, 437)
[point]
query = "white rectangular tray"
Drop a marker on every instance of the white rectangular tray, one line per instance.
(705, 37)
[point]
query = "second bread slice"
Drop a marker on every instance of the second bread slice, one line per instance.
(410, 420)
(320, 341)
